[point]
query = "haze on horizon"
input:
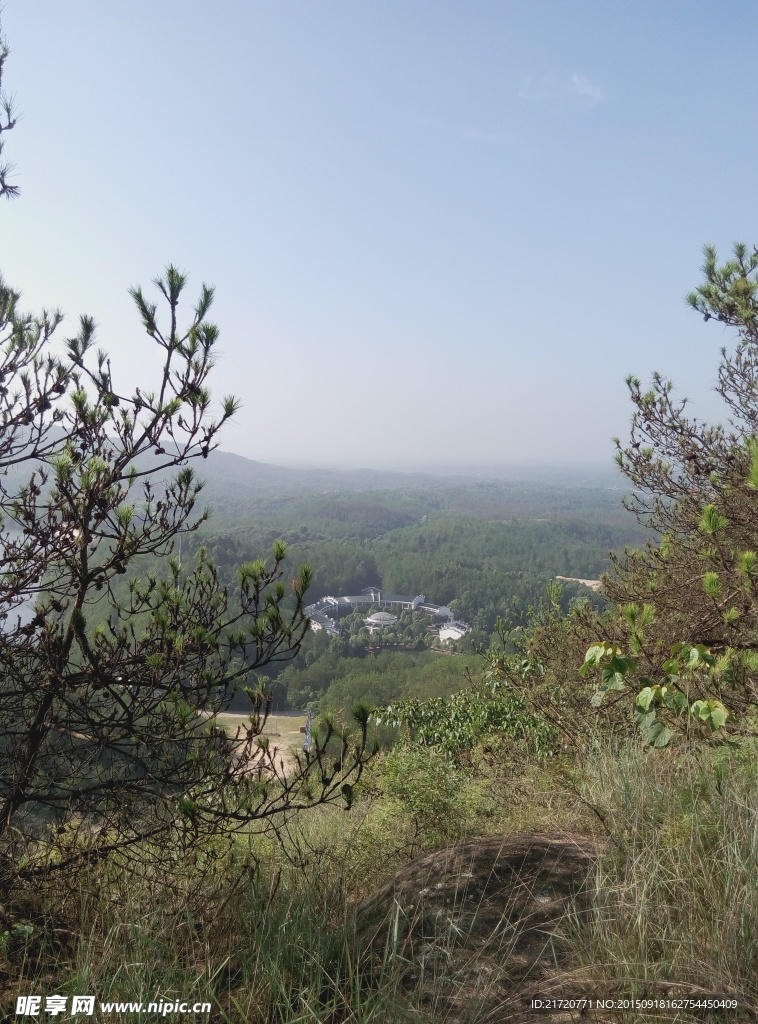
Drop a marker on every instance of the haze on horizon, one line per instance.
(598, 473)
(441, 232)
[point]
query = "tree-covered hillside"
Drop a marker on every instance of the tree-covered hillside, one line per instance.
(487, 549)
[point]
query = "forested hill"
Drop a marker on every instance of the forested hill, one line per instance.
(485, 547)
(232, 482)
(454, 557)
(231, 477)
(479, 545)
(367, 503)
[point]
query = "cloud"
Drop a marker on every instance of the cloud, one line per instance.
(576, 89)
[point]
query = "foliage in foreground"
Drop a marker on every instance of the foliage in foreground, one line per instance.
(683, 618)
(674, 905)
(265, 932)
(108, 689)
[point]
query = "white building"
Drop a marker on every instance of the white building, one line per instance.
(371, 595)
(379, 620)
(317, 613)
(454, 630)
(441, 611)
(322, 611)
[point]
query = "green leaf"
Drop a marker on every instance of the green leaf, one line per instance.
(663, 736)
(677, 700)
(718, 717)
(705, 655)
(594, 656)
(712, 712)
(645, 698)
(643, 719)
(656, 734)
(612, 680)
(699, 710)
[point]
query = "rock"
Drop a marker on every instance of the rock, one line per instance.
(474, 931)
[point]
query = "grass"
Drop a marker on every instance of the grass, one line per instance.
(285, 729)
(674, 909)
(267, 934)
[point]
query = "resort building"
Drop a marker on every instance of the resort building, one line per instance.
(320, 621)
(454, 630)
(379, 620)
(322, 612)
(441, 611)
(369, 596)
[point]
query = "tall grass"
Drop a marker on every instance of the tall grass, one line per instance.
(266, 934)
(674, 909)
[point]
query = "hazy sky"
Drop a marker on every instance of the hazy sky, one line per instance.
(438, 230)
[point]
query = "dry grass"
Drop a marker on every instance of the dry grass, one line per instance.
(674, 909)
(271, 939)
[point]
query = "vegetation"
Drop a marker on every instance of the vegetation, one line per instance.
(7, 122)
(105, 694)
(482, 569)
(683, 845)
(338, 680)
(222, 870)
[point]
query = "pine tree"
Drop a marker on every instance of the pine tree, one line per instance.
(110, 675)
(7, 122)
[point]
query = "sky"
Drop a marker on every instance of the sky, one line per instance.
(440, 231)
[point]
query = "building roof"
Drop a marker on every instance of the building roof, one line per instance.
(381, 618)
(454, 630)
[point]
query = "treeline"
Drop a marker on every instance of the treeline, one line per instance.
(463, 559)
(369, 513)
(482, 568)
(325, 673)
(479, 566)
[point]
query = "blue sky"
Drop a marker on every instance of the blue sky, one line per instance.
(439, 231)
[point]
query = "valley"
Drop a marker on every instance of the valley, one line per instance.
(480, 549)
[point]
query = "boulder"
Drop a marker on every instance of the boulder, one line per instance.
(475, 931)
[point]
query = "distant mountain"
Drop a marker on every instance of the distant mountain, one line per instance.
(233, 476)
(230, 475)
(225, 472)
(574, 474)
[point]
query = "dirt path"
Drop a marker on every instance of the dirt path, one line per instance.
(283, 731)
(592, 584)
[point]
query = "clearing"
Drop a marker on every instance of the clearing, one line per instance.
(283, 729)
